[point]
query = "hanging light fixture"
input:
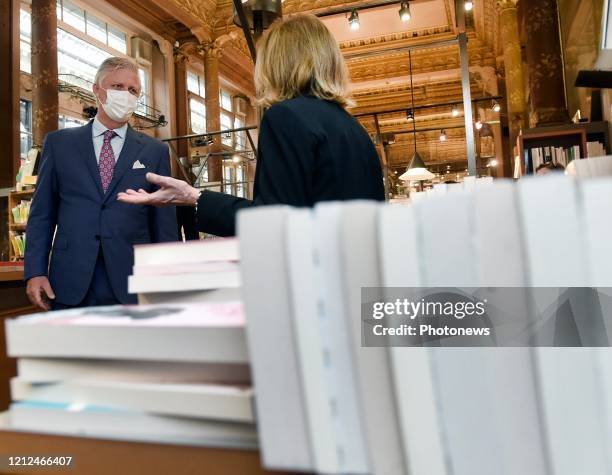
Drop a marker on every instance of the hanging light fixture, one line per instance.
(495, 107)
(443, 136)
(260, 14)
(354, 20)
(404, 11)
(410, 115)
(455, 111)
(468, 6)
(416, 171)
(478, 124)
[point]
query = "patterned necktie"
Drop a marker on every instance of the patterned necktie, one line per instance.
(107, 160)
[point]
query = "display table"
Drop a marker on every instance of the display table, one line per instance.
(13, 302)
(112, 457)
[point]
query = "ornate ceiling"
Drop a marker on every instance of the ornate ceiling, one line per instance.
(381, 82)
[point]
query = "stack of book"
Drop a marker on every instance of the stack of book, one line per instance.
(591, 168)
(21, 212)
(18, 242)
(557, 155)
(595, 149)
(327, 404)
(175, 373)
(195, 271)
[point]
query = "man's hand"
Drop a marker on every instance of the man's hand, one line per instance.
(171, 192)
(39, 292)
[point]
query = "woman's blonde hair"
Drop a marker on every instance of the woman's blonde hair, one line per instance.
(299, 55)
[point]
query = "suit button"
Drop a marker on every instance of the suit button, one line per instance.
(97, 237)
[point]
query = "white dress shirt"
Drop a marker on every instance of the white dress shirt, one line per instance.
(117, 141)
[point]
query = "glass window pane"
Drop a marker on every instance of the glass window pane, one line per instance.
(74, 15)
(25, 127)
(226, 101)
(226, 123)
(192, 83)
(25, 24)
(144, 100)
(25, 57)
(202, 86)
(117, 39)
(198, 116)
(77, 60)
(96, 28)
(66, 122)
(58, 9)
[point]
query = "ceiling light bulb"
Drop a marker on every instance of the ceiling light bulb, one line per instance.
(354, 20)
(455, 111)
(442, 136)
(404, 11)
(468, 6)
(478, 124)
(496, 107)
(410, 115)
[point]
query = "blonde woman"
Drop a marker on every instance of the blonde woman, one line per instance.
(310, 148)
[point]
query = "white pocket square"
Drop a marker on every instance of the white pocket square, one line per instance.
(137, 164)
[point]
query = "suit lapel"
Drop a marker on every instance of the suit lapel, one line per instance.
(85, 145)
(131, 148)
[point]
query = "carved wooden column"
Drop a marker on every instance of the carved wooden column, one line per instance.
(213, 107)
(547, 103)
(44, 69)
(513, 66)
(9, 92)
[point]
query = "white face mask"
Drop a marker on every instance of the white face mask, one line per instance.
(120, 105)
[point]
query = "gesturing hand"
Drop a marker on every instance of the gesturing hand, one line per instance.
(171, 192)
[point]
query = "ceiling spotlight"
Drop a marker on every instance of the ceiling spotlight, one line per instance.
(410, 115)
(468, 6)
(236, 159)
(354, 20)
(442, 136)
(404, 11)
(496, 107)
(455, 111)
(492, 163)
(478, 124)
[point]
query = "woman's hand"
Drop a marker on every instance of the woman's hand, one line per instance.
(171, 192)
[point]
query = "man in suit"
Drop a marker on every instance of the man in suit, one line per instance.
(81, 171)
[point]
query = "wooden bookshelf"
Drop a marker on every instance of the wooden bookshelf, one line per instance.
(14, 198)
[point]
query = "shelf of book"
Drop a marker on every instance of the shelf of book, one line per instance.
(18, 212)
(561, 144)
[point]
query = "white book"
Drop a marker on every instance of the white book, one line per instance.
(466, 398)
(186, 268)
(305, 314)
(191, 296)
(337, 342)
(595, 205)
(499, 256)
(212, 333)
(183, 282)
(281, 408)
(569, 388)
(80, 420)
(358, 248)
(48, 370)
(202, 401)
(421, 426)
(173, 253)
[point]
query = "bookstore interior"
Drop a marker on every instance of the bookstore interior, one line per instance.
(399, 259)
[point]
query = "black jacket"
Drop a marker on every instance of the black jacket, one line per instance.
(310, 150)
